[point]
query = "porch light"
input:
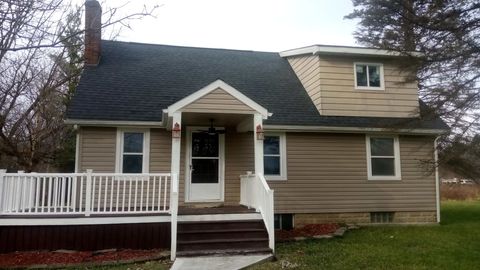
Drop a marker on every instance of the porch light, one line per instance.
(260, 135)
(176, 131)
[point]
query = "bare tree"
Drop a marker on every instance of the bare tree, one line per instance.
(41, 45)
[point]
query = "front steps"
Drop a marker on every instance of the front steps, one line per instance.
(222, 237)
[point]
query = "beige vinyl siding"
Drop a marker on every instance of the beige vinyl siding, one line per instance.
(339, 96)
(160, 151)
(307, 69)
(97, 152)
(97, 149)
(330, 83)
(239, 158)
(98, 146)
(217, 100)
(328, 173)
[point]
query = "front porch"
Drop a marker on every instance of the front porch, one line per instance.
(216, 142)
(77, 210)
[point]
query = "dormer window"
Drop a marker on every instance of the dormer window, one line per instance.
(369, 76)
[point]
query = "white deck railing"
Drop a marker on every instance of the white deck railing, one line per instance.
(37, 194)
(255, 193)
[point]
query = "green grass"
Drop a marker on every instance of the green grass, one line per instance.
(455, 244)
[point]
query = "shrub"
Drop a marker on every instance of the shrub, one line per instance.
(459, 192)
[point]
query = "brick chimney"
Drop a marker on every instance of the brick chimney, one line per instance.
(93, 32)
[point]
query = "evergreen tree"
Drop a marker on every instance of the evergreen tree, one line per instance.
(448, 35)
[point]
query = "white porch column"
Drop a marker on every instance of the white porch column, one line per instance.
(258, 144)
(175, 170)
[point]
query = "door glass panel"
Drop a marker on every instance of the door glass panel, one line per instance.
(205, 171)
(204, 145)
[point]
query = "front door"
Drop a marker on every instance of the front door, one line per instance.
(205, 181)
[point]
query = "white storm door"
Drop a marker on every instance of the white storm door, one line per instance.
(206, 167)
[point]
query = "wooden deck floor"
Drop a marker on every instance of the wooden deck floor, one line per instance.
(234, 209)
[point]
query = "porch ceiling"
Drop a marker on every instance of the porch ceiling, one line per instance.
(219, 119)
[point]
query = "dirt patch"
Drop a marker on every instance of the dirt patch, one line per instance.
(66, 258)
(309, 230)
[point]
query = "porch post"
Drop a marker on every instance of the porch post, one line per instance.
(258, 144)
(175, 173)
(177, 118)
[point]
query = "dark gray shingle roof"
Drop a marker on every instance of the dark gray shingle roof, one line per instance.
(135, 82)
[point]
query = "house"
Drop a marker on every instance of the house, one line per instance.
(199, 149)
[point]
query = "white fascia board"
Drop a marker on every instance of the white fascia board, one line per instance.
(326, 49)
(82, 122)
(351, 129)
(211, 87)
(51, 221)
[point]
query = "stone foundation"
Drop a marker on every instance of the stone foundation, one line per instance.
(420, 217)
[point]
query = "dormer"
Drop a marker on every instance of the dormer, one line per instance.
(354, 81)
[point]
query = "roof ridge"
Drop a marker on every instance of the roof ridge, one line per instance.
(186, 47)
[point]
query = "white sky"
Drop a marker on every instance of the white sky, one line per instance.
(261, 25)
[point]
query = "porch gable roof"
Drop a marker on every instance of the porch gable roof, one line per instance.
(218, 84)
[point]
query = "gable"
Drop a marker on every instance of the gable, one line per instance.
(218, 99)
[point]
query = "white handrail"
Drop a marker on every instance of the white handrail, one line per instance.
(37, 194)
(255, 193)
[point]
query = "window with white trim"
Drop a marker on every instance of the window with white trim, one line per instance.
(132, 151)
(369, 76)
(383, 157)
(274, 156)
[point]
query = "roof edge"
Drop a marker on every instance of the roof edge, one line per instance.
(85, 122)
(411, 131)
(332, 49)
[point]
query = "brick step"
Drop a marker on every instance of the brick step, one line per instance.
(220, 225)
(221, 234)
(222, 244)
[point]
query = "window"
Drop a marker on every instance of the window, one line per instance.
(274, 157)
(381, 217)
(369, 76)
(132, 151)
(383, 158)
(283, 221)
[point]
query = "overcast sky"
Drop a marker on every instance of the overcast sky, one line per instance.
(261, 25)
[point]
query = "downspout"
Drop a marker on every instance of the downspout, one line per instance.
(437, 180)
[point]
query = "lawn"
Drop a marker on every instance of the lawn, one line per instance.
(453, 245)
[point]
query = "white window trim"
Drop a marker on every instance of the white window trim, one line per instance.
(283, 157)
(146, 149)
(397, 162)
(382, 79)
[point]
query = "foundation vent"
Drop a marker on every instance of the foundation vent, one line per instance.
(381, 217)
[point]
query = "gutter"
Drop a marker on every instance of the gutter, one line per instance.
(113, 123)
(352, 129)
(437, 179)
